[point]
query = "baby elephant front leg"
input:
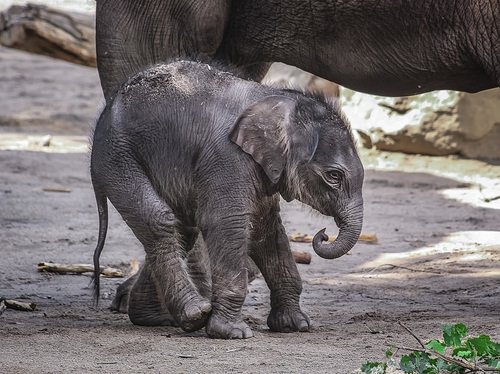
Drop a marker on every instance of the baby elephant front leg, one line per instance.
(227, 248)
(271, 252)
(228, 296)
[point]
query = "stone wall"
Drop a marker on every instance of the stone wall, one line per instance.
(435, 123)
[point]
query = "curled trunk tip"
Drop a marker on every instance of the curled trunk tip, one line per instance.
(343, 243)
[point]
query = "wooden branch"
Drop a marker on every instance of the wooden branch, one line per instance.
(304, 238)
(392, 266)
(301, 257)
(78, 269)
(17, 305)
(69, 36)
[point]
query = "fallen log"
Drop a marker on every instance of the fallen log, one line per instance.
(35, 28)
(79, 269)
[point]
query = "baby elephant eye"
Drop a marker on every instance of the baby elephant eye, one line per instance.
(333, 177)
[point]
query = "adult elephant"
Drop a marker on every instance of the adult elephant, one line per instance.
(384, 47)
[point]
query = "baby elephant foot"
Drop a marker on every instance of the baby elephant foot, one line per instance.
(121, 299)
(195, 314)
(222, 328)
(288, 320)
(148, 317)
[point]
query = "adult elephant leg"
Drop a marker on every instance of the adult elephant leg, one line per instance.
(270, 250)
(134, 34)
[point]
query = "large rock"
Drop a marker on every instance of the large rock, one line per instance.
(435, 123)
(290, 76)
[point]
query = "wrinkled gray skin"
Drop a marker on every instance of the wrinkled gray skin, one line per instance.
(383, 47)
(195, 160)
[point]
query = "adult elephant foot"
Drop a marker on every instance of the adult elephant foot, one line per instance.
(194, 314)
(219, 327)
(288, 320)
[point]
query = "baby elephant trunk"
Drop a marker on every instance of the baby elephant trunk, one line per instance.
(350, 223)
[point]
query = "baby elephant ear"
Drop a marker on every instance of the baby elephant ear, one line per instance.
(261, 131)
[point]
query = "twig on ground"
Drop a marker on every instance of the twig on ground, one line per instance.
(78, 269)
(490, 199)
(392, 266)
(57, 189)
(17, 305)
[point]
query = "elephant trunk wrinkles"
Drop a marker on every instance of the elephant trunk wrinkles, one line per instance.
(349, 223)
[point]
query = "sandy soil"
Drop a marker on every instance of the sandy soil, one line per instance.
(437, 260)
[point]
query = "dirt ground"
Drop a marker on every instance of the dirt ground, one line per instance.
(437, 260)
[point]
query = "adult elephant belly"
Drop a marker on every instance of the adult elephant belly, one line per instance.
(384, 47)
(387, 73)
(389, 48)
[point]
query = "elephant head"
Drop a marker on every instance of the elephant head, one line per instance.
(305, 147)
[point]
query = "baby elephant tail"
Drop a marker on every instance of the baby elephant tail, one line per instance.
(102, 207)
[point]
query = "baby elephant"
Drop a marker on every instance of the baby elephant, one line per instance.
(195, 159)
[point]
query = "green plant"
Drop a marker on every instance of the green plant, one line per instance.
(455, 354)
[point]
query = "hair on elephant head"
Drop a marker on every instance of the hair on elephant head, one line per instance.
(304, 144)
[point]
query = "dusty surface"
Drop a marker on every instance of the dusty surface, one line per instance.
(432, 217)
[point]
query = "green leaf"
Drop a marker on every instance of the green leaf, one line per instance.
(494, 363)
(418, 362)
(436, 346)
(453, 334)
(388, 353)
(406, 364)
(483, 346)
(442, 366)
(463, 352)
(496, 349)
(374, 367)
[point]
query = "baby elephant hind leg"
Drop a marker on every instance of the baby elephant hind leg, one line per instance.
(121, 299)
(154, 224)
(270, 250)
(145, 307)
(199, 266)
